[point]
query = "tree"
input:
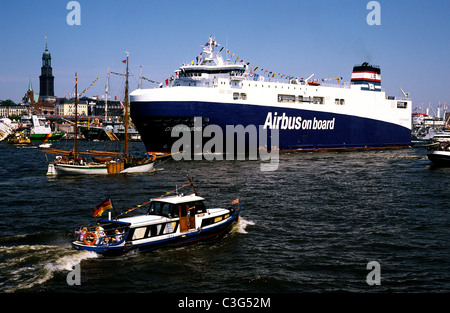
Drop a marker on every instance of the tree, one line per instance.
(8, 102)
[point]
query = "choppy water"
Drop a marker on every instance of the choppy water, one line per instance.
(310, 226)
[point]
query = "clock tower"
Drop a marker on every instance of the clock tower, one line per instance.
(46, 80)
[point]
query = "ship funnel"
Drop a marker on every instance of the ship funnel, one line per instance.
(367, 76)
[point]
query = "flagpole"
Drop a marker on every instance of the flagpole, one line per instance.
(115, 212)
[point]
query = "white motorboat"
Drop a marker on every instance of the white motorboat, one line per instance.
(170, 221)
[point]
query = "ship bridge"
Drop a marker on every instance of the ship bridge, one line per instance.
(210, 67)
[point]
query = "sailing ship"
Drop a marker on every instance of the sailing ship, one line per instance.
(171, 220)
(105, 162)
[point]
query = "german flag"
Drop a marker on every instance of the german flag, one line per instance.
(102, 207)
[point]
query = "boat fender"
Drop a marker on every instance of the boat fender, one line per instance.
(127, 246)
(90, 235)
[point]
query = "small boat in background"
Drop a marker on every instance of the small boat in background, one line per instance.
(19, 138)
(45, 144)
(41, 130)
(70, 162)
(171, 220)
(440, 156)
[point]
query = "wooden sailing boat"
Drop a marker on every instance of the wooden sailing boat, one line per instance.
(70, 162)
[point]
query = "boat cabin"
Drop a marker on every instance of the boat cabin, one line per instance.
(183, 207)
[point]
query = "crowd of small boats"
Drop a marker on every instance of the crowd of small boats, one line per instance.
(29, 129)
(72, 163)
(432, 134)
(38, 129)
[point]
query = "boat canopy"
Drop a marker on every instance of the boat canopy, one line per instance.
(179, 199)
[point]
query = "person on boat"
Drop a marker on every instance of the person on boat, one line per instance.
(71, 154)
(100, 233)
(152, 155)
(117, 236)
(100, 227)
(82, 232)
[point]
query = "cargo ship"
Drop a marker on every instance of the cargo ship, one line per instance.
(308, 114)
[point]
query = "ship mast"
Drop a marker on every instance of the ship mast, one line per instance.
(126, 110)
(106, 91)
(76, 119)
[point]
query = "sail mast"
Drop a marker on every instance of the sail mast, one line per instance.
(106, 91)
(126, 110)
(76, 118)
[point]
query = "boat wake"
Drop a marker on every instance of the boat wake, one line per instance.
(25, 266)
(242, 225)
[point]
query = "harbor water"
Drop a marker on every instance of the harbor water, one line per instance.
(312, 225)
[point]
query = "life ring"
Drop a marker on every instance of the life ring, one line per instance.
(90, 235)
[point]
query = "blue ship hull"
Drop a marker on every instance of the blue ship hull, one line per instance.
(155, 120)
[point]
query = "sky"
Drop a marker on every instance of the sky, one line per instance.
(293, 37)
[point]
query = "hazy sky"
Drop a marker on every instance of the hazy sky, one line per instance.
(293, 37)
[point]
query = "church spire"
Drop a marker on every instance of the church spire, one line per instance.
(30, 87)
(46, 79)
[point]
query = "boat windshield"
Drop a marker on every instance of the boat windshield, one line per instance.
(162, 208)
(172, 210)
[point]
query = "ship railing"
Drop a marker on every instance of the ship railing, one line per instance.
(110, 237)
